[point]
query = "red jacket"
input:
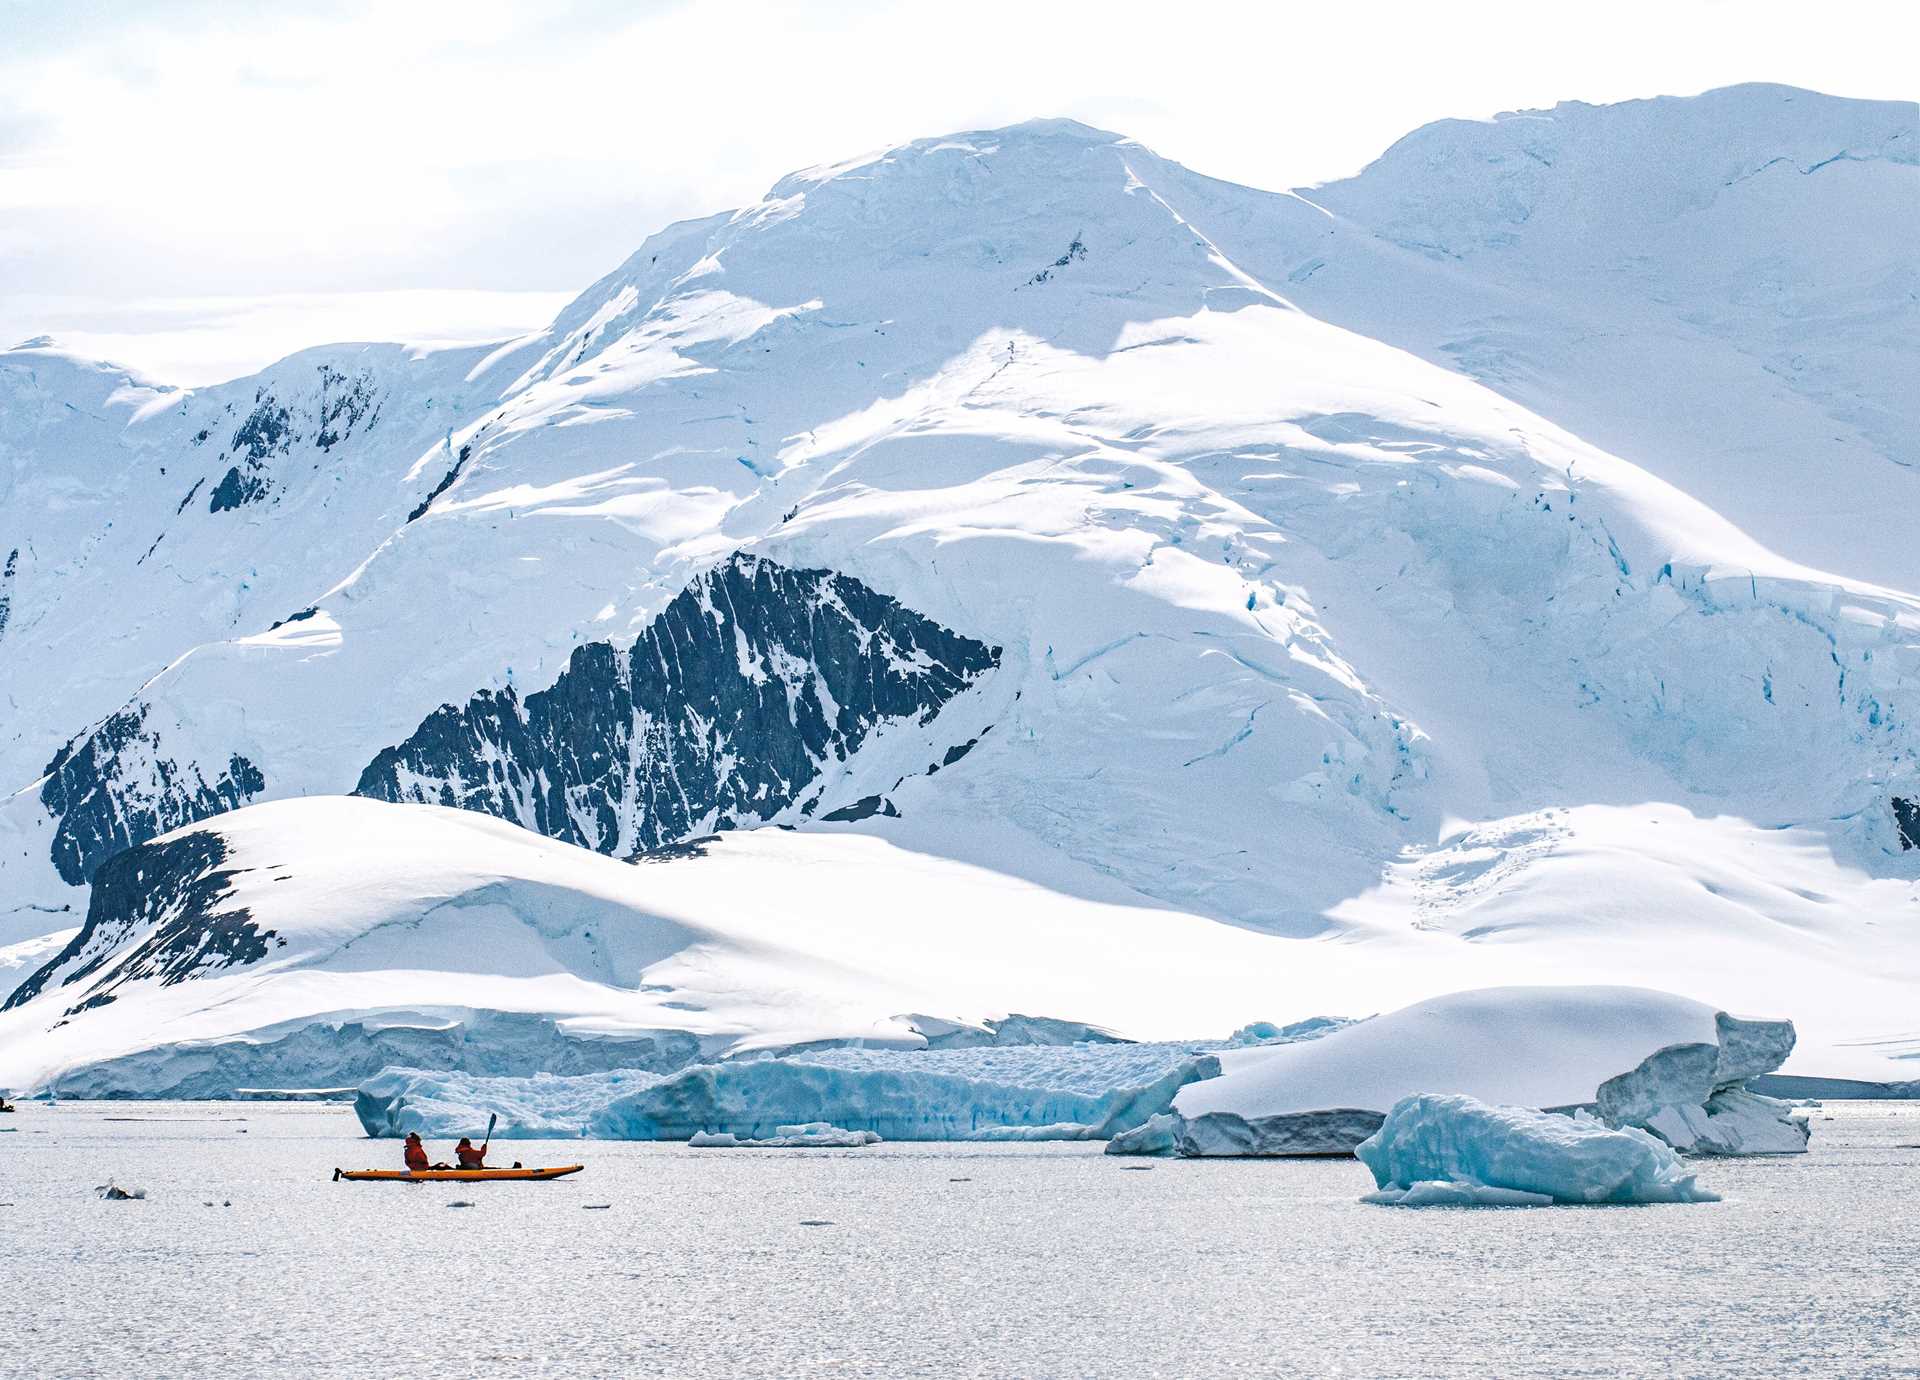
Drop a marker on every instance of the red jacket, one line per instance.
(471, 1157)
(416, 1155)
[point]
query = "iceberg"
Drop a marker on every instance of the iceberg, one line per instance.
(1441, 1148)
(1694, 1096)
(814, 1135)
(751, 1097)
(1637, 1058)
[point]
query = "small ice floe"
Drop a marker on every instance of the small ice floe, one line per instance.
(814, 1222)
(460, 1202)
(113, 1193)
(810, 1135)
(596, 1207)
(1452, 1150)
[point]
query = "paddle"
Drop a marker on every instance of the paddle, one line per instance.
(492, 1117)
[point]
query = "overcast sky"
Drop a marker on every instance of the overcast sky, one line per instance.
(197, 188)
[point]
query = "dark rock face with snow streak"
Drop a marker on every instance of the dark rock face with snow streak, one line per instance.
(273, 428)
(115, 787)
(156, 913)
(727, 709)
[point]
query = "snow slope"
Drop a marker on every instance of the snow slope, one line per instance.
(340, 910)
(1318, 613)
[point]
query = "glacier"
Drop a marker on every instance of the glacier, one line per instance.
(998, 542)
(1453, 1150)
(1065, 1093)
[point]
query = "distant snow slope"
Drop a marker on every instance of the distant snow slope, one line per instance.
(1110, 545)
(337, 908)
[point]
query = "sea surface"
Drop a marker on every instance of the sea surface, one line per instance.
(246, 1259)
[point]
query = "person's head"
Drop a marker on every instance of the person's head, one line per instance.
(465, 1143)
(413, 1137)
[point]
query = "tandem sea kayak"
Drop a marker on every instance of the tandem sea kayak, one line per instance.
(460, 1176)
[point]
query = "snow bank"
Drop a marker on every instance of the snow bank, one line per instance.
(1523, 1046)
(1071, 1092)
(1448, 1148)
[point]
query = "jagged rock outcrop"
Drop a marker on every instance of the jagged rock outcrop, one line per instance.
(117, 786)
(158, 911)
(274, 427)
(729, 706)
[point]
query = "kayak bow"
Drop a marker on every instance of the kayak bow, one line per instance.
(462, 1176)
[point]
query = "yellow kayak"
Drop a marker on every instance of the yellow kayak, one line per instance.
(459, 1176)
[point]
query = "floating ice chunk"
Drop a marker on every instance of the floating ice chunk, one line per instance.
(1332, 1132)
(814, 1135)
(1693, 1096)
(1058, 1130)
(1732, 1122)
(1267, 1033)
(1455, 1193)
(113, 1193)
(1435, 1138)
(1158, 1135)
(1335, 1131)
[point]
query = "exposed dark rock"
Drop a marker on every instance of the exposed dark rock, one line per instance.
(864, 808)
(273, 428)
(726, 710)
(1906, 814)
(6, 588)
(446, 482)
(159, 911)
(114, 787)
(235, 490)
(300, 617)
(676, 852)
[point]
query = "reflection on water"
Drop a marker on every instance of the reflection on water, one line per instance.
(951, 1260)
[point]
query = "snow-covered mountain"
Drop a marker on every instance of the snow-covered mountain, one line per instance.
(1498, 564)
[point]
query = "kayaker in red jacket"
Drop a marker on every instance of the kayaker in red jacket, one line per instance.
(416, 1153)
(469, 1157)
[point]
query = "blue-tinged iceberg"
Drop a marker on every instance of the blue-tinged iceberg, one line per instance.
(1074, 1092)
(1453, 1150)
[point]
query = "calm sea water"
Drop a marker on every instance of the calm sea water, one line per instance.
(949, 1260)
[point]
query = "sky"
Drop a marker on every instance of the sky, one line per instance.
(196, 189)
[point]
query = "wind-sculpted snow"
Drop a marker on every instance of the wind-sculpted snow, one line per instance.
(1528, 1046)
(728, 709)
(1442, 1150)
